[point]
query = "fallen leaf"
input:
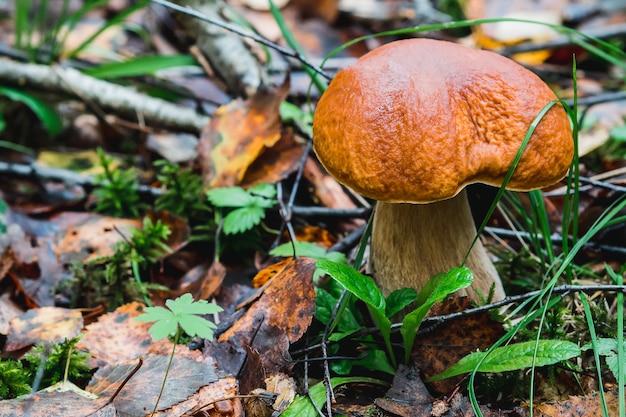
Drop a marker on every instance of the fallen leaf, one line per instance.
(137, 398)
(46, 404)
(45, 324)
(276, 163)
(279, 317)
(237, 134)
(264, 275)
(116, 337)
(407, 396)
(436, 350)
(93, 237)
(588, 405)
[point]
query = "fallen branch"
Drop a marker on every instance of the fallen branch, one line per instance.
(122, 101)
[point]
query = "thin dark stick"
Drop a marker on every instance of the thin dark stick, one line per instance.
(618, 250)
(330, 395)
(348, 242)
(562, 289)
(315, 211)
(600, 33)
(429, 322)
(244, 33)
(306, 381)
(603, 184)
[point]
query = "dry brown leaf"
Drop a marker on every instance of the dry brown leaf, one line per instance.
(46, 404)
(45, 324)
(436, 351)
(186, 377)
(264, 275)
(93, 237)
(588, 405)
(276, 163)
(407, 396)
(279, 317)
(116, 337)
(504, 33)
(237, 134)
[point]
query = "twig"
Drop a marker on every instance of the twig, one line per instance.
(600, 33)
(603, 184)
(556, 240)
(348, 242)
(330, 395)
(562, 289)
(244, 33)
(63, 175)
(315, 211)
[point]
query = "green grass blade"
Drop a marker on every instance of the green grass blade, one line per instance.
(48, 116)
(509, 174)
(596, 46)
(145, 65)
(21, 21)
(110, 23)
(293, 44)
(596, 356)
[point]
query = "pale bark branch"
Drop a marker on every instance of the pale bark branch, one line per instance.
(119, 100)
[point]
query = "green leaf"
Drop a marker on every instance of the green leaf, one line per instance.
(197, 326)
(229, 197)
(267, 191)
(324, 306)
(608, 348)
(377, 360)
(183, 313)
(242, 219)
(163, 329)
(308, 249)
(42, 110)
(155, 314)
(618, 133)
(145, 65)
(435, 290)
(363, 287)
(513, 357)
(399, 299)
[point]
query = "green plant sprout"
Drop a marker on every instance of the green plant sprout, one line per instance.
(58, 360)
(116, 190)
(116, 279)
(183, 193)
(53, 34)
(182, 315)
(242, 209)
(14, 379)
(50, 120)
(364, 288)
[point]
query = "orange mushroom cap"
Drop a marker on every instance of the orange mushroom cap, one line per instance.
(417, 120)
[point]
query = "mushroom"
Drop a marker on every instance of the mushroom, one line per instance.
(413, 122)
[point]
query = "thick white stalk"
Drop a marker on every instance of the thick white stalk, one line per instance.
(412, 242)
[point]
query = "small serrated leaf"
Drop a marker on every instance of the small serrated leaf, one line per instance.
(229, 197)
(267, 191)
(242, 219)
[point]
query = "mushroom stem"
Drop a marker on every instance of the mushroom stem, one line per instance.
(413, 242)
